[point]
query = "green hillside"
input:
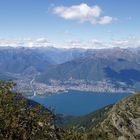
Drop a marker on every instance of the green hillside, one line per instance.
(122, 121)
(22, 119)
(83, 123)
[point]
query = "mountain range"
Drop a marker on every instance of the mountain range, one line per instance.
(120, 67)
(111, 70)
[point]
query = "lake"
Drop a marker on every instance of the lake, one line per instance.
(77, 102)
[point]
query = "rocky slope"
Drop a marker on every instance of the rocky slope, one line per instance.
(118, 122)
(122, 121)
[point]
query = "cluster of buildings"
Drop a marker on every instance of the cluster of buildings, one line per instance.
(56, 86)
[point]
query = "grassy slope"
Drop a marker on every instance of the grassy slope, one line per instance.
(86, 122)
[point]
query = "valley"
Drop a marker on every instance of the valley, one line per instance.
(40, 72)
(69, 70)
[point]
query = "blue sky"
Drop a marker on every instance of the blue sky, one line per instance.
(61, 21)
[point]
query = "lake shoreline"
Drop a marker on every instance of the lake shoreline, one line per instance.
(78, 103)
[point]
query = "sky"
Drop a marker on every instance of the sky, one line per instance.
(70, 23)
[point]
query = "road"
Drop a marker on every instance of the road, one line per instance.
(32, 87)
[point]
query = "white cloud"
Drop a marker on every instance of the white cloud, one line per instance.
(92, 44)
(98, 44)
(79, 12)
(83, 13)
(73, 44)
(131, 42)
(39, 42)
(106, 20)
